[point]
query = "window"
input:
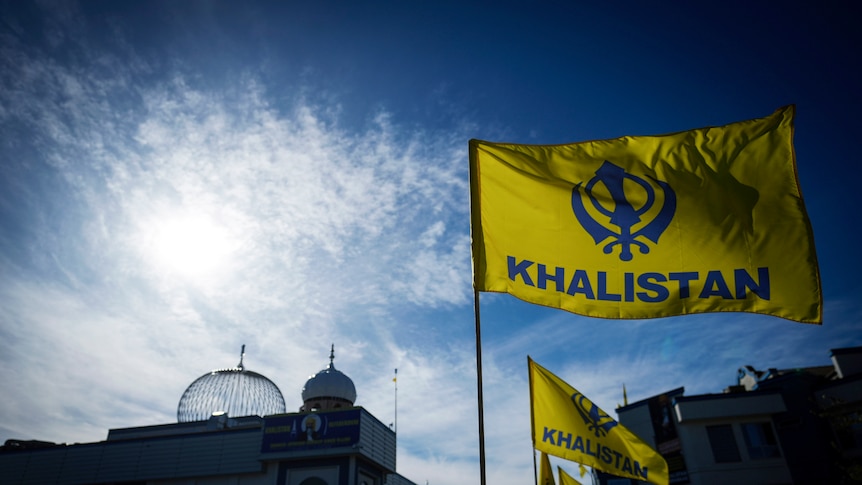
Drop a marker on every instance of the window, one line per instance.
(760, 441)
(723, 444)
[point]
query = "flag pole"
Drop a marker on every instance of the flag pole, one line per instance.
(474, 218)
(479, 379)
(535, 469)
(532, 418)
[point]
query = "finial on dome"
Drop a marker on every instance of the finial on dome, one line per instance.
(250, 394)
(328, 389)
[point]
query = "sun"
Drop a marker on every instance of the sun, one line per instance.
(189, 245)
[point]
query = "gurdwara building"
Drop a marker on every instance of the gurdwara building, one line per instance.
(232, 428)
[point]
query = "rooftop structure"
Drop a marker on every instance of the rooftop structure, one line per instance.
(235, 391)
(328, 389)
(799, 425)
(331, 442)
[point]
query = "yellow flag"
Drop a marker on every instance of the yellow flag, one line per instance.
(566, 424)
(705, 220)
(566, 479)
(546, 474)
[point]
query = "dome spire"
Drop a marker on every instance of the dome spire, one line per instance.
(241, 357)
(328, 389)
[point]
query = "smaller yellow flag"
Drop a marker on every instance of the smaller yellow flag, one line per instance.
(568, 425)
(566, 479)
(546, 474)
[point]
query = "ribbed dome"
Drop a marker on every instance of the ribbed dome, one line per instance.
(235, 391)
(330, 383)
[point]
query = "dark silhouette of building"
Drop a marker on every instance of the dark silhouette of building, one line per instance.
(329, 442)
(799, 426)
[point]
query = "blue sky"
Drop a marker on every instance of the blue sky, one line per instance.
(178, 179)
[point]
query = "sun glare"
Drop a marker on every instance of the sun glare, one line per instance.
(191, 246)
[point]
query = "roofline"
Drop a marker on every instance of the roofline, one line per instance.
(845, 350)
(672, 394)
(727, 395)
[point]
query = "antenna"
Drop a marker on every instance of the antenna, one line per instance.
(395, 380)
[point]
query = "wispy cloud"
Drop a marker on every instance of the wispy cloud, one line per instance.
(317, 224)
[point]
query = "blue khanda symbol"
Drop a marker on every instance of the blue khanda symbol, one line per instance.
(596, 420)
(623, 215)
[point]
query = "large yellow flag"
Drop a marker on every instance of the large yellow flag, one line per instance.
(705, 220)
(566, 424)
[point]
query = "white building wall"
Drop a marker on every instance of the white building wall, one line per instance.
(695, 416)
(637, 420)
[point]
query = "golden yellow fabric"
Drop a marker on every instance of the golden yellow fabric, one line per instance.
(566, 479)
(705, 220)
(546, 474)
(568, 425)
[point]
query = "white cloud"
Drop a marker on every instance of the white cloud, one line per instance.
(317, 226)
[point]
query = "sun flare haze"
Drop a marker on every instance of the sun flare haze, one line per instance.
(192, 246)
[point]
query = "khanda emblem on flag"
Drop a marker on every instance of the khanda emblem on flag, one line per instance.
(624, 214)
(595, 419)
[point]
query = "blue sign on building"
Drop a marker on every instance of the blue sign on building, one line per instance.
(293, 432)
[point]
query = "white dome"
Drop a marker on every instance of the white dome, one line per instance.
(330, 383)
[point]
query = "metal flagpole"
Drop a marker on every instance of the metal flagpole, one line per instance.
(535, 469)
(474, 206)
(479, 379)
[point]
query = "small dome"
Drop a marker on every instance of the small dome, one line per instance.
(235, 391)
(329, 384)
